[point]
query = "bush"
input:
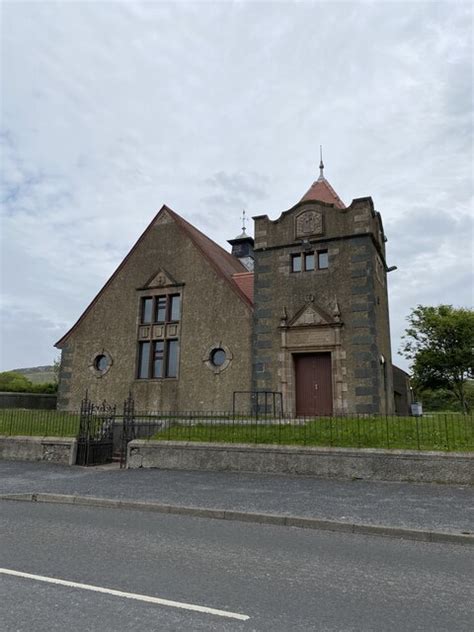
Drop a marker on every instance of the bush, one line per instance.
(12, 382)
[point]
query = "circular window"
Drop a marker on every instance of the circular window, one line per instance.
(218, 357)
(101, 363)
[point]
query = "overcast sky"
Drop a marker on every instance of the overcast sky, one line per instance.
(111, 109)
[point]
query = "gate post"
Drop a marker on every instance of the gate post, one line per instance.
(128, 428)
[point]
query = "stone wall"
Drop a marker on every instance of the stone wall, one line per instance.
(339, 463)
(37, 401)
(51, 449)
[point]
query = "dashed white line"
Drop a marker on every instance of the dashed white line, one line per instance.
(126, 595)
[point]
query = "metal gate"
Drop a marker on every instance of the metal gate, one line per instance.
(96, 427)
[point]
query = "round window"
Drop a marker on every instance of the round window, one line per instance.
(218, 357)
(101, 363)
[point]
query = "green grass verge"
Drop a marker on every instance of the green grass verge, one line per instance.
(435, 432)
(42, 423)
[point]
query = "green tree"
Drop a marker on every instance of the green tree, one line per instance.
(56, 368)
(440, 342)
(11, 381)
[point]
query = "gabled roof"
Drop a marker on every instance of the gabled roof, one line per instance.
(245, 282)
(225, 264)
(322, 191)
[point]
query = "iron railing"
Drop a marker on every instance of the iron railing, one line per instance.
(33, 422)
(449, 432)
(432, 431)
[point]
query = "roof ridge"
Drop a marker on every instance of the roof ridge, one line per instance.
(187, 225)
(188, 228)
(231, 261)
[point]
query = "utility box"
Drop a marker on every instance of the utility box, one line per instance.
(417, 409)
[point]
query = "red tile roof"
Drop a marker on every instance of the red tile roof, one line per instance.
(225, 264)
(245, 282)
(322, 191)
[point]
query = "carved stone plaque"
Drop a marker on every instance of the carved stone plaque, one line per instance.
(158, 331)
(309, 223)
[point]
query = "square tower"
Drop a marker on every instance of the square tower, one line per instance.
(321, 331)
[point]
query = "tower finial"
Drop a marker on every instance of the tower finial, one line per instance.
(321, 163)
(244, 219)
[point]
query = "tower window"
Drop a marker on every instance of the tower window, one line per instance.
(309, 261)
(323, 260)
(296, 263)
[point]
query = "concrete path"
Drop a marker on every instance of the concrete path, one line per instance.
(412, 506)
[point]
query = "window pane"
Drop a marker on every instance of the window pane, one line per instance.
(218, 357)
(296, 263)
(143, 360)
(172, 359)
(147, 305)
(161, 309)
(101, 363)
(159, 348)
(309, 261)
(175, 307)
(322, 259)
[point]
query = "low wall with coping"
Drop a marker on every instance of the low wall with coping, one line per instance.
(342, 463)
(52, 449)
(37, 401)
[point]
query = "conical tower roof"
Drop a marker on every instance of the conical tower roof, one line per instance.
(322, 191)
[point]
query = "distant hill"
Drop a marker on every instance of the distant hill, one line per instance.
(38, 374)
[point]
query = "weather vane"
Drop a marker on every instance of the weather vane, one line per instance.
(244, 219)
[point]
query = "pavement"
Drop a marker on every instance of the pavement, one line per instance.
(444, 509)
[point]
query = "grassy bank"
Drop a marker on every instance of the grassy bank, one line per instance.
(433, 432)
(51, 423)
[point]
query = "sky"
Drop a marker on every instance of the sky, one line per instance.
(111, 109)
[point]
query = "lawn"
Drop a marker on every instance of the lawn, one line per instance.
(430, 432)
(45, 423)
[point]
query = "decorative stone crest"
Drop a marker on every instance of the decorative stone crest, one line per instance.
(309, 317)
(161, 278)
(308, 223)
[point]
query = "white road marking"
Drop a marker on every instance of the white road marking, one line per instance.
(127, 595)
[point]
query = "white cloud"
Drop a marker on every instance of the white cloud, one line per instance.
(111, 109)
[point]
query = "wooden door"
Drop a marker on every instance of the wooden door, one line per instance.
(313, 383)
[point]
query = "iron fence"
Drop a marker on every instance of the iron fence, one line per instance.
(36, 422)
(447, 432)
(432, 431)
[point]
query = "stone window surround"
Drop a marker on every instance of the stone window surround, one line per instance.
(164, 377)
(206, 358)
(158, 331)
(92, 363)
(154, 293)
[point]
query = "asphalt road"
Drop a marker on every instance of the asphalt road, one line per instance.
(282, 579)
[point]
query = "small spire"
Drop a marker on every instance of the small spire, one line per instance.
(244, 219)
(321, 163)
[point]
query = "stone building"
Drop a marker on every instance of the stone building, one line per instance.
(302, 311)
